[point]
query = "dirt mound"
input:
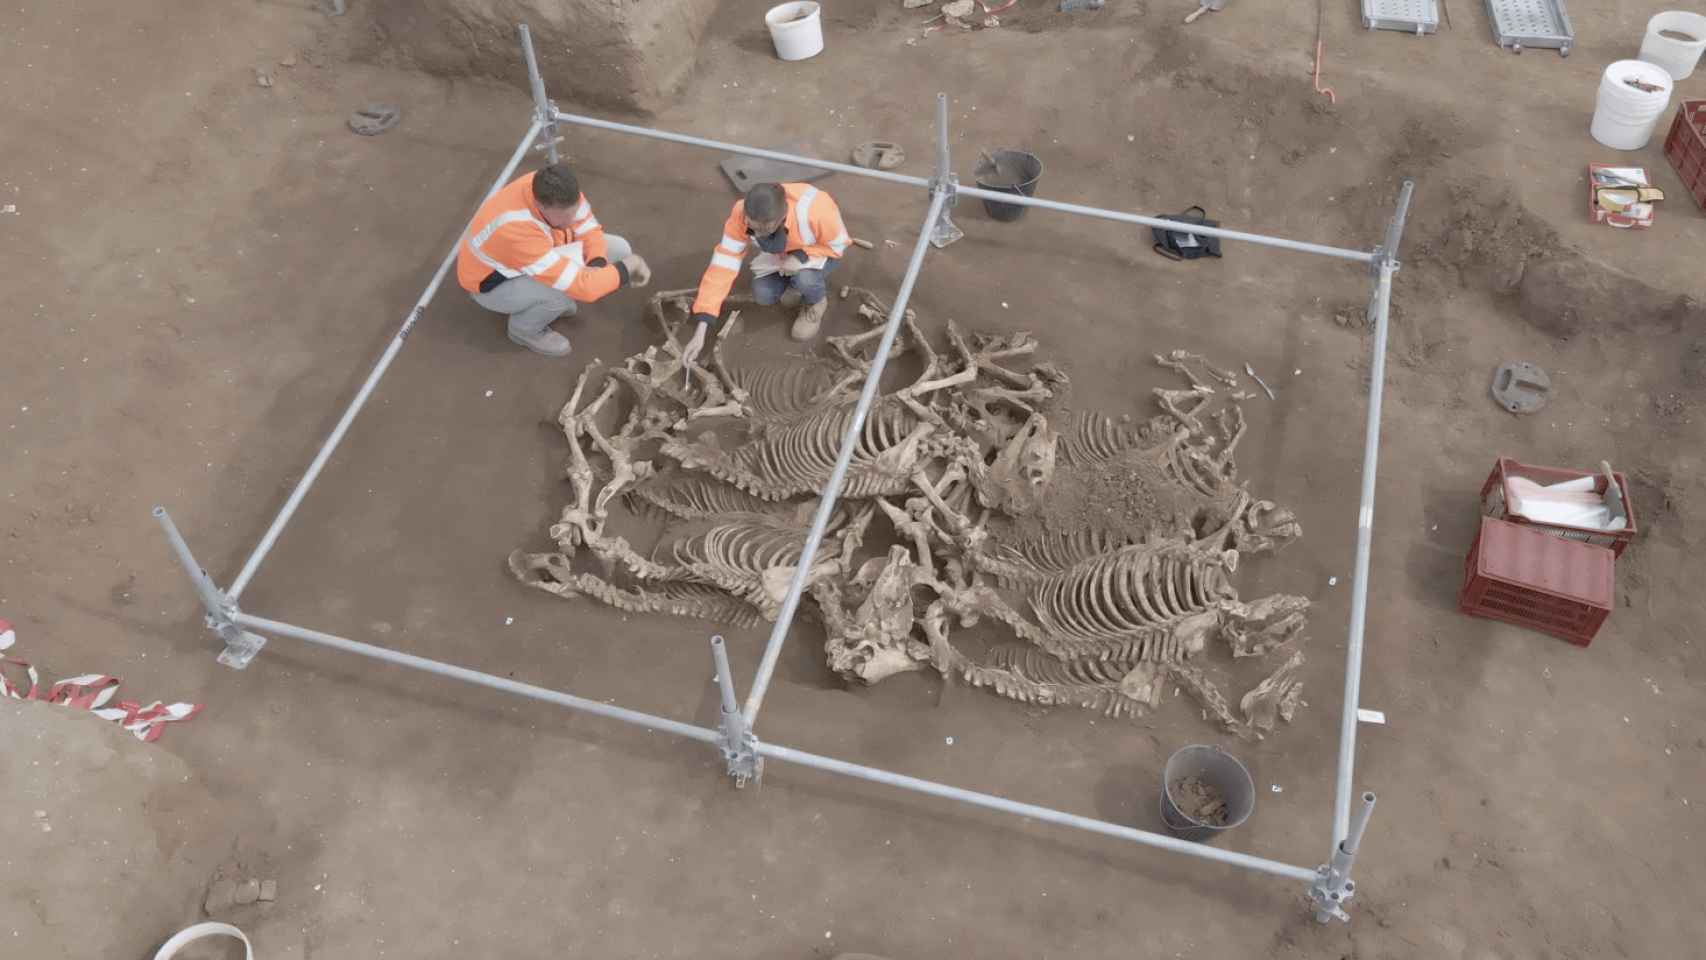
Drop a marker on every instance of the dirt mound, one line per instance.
(1567, 293)
(1128, 497)
(1482, 234)
(1485, 237)
(611, 55)
(1694, 365)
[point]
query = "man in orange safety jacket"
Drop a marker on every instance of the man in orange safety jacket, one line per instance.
(534, 249)
(798, 235)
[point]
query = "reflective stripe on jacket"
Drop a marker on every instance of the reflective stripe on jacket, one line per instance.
(813, 225)
(510, 238)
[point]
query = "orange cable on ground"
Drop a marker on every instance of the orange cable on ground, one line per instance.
(1331, 97)
(1320, 43)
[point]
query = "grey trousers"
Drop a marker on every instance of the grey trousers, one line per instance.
(532, 305)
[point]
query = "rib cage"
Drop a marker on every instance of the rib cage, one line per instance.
(1038, 667)
(782, 391)
(797, 458)
(1097, 438)
(1189, 469)
(734, 554)
(1061, 551)
(1030, 676)
(1124, 595)
(551, 573)
(691, 497)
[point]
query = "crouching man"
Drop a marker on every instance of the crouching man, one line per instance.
(795, 233)
(534, 250)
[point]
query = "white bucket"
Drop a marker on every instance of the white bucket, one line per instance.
(796, 29)
(1677, 57)
(1624, 116)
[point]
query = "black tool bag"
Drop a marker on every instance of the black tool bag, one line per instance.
(1183, 244)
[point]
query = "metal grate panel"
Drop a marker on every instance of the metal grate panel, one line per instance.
(1531, 23)
(1405, 16)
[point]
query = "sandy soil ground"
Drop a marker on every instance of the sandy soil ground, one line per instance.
(200, 271)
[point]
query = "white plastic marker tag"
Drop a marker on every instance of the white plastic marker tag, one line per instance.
(1370, 716)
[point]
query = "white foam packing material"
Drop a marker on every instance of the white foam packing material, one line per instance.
(1572, 503)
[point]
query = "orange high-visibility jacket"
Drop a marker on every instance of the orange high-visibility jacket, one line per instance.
(510, 238)
(813, 224)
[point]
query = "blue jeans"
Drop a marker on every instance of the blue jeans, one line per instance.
(813, 285)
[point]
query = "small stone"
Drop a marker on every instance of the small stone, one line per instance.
(915, 4)
(262, 78)
(958, 8)
(41, 814)
(288, 61)
(221, 895)
(269, 891)
(248, 891)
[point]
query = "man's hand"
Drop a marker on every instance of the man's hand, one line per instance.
(638, 273)
(695, 344)
(798, 260)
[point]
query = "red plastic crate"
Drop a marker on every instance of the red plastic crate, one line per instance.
(1685, 148)
(1519, 575)
(1494, 498)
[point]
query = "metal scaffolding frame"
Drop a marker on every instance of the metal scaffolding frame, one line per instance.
(1329, 886)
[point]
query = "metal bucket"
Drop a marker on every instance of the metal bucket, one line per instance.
(1218, 769)
(1009, 171)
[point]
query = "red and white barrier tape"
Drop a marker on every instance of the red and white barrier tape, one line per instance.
(92, 692)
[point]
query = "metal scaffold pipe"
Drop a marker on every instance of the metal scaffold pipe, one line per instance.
(838, 476)
(1381, 309)
(744, 151)
(649, 721)
(324, 454)
(1034, 812)
(1360, 256)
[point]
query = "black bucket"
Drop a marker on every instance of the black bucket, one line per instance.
(1009, 171)
(1216, 769)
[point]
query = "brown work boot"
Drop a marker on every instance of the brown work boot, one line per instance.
(808, 320)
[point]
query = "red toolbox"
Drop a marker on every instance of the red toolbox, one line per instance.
(1685, 148)
(1518, 574)
(1494, 498)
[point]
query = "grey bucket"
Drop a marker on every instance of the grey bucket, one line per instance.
(1218, 769)
(1009, 171)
